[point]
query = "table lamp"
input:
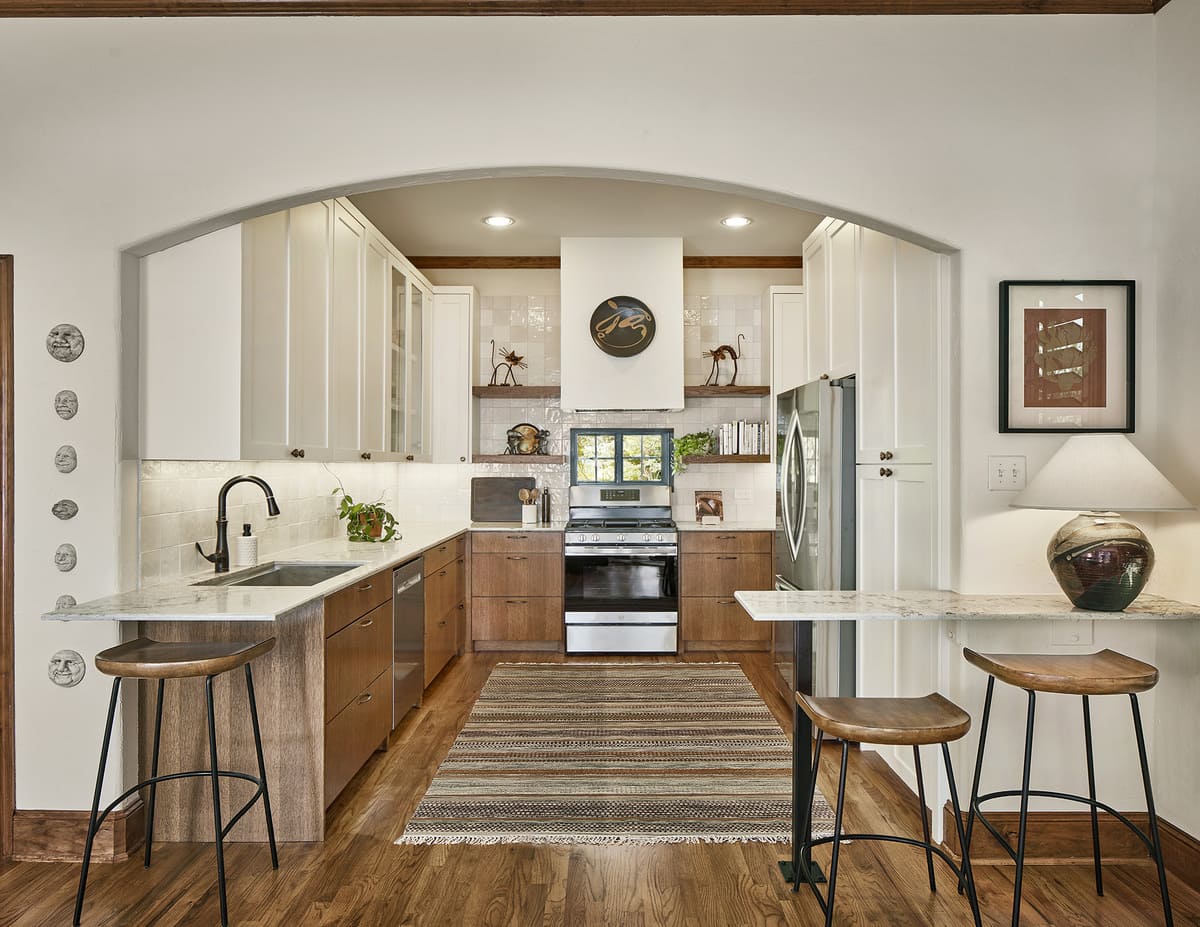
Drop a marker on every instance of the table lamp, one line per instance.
(1100, 560)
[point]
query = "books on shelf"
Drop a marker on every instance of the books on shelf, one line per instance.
(742, 437)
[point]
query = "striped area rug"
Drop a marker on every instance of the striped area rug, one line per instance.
(614, 753)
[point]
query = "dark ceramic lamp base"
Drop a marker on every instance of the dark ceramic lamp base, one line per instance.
(1101, 561)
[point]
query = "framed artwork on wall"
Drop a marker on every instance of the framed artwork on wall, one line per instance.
(1066, 356)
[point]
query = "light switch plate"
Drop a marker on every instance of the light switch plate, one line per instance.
(1006, 474)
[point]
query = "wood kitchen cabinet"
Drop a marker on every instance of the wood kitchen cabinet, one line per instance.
(445, 603)
(517, 590)
(358, 677)
(712, 566)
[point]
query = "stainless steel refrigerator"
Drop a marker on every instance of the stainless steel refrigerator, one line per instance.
(815, 523)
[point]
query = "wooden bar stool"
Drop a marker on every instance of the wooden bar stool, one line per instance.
(1085, 675)
(148, 659)
(914, 722)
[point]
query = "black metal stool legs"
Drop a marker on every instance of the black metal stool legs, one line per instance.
(218, 833)
(1155, 837)
(967, 876)
(91, 833)
(154, 774)
(983, 729)
(262, 766)
(924, 817)
(1091, 774)
(1022, 826)
(837, 834)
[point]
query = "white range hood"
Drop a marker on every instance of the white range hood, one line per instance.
(598, 269)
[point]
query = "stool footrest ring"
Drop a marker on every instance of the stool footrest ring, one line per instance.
(1061, 796)
(191, 774)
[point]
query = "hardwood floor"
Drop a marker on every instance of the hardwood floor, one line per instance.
(358, 877)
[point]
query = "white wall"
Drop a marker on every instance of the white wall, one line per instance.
(1177, 539)
(1026, 142)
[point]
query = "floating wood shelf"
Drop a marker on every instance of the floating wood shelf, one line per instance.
(726, 458)
(698, 392)
(517, 392)
(519, 458)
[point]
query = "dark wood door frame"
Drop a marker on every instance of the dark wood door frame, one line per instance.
(7, 630)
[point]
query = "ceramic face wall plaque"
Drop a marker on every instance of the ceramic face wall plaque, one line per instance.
(66, 403)
(65, 343)
(65, 601)
(66, 459)
(65, 558)
(66, 668)
(64, 509)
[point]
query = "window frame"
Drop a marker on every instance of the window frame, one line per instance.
(618, 435)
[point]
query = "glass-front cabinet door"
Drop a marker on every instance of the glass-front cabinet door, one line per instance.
(408, 373)
(398, 328)
(420, 302)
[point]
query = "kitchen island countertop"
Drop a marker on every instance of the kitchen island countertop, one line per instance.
(179, 600)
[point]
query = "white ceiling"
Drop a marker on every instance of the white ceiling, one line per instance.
(445, 218)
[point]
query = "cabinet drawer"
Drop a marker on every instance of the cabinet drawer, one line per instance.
(437, 557)
(355, 733)
(355, 655)
(443, 589)
(441, 641)
(721, 621)
(355, 601)
(725, 542)
(516, 618)
(523, 542)
(723, 574)
(517, 574)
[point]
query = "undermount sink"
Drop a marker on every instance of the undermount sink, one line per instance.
(282, 573)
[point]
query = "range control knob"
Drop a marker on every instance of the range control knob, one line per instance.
(620, 537)
(658, 538)
(595, 538)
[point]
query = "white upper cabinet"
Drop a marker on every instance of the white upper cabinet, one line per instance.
(298, 334)
(816, 287)
(842, 251)
(453, 308)
(789, 337)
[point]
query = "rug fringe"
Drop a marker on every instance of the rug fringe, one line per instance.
(576, 840)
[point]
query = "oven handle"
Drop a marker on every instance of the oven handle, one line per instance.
(671, 551)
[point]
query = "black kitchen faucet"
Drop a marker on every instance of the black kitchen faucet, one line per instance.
(220, 556)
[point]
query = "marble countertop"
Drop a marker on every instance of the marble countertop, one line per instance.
(180, 601)
(937, 605)
(762, 525)
(516, 526)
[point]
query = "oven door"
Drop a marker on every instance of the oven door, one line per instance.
(612, 580)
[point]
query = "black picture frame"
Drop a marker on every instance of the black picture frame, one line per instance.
(1008, 290)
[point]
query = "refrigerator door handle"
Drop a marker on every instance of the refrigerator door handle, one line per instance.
(791, 447)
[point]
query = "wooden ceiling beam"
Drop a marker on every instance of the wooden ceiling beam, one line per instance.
(552, 262)
(123, 8)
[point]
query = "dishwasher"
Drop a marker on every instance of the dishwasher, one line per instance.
(408, 632)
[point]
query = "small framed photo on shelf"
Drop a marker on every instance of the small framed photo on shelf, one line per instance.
(1066, 355)
(709, 505)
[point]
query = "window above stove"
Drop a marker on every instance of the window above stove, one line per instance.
(616, 456)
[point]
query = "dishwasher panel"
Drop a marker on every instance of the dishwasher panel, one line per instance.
(408, 656)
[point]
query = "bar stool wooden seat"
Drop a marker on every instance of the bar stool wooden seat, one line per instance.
(1085, 675)
(914, 722)
(162, 660)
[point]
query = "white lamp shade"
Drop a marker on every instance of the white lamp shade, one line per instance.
(1100, 473)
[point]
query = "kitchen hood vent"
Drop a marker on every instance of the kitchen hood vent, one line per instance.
(596, 270)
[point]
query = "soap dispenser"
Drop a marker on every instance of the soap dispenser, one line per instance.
(245, 548)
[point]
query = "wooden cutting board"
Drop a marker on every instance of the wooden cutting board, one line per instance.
(494, 498)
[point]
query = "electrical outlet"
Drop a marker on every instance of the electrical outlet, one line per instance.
(1006, 474)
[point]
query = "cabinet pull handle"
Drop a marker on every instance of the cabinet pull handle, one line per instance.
(462, 460)
(442, 623)
(727, 601)
(513, 602)
(443, 573)
(442, 548)
(727, 558)
(461, 607)
(364, 698)
(516, 558)
(365, 587)
(365, 455)
(515, 537)
(726, 537)
(885, 455)
(297, 452)
(885, 471)
(366, 622)
(406, 457)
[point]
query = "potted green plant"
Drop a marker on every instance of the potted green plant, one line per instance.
(365, 521)
(697, 444)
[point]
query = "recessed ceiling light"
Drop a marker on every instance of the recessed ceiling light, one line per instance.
(736, 222)
(499, 222)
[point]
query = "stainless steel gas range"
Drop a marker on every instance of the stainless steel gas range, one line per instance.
(622, 566)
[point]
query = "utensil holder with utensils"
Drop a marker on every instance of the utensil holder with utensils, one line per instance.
(529, 506)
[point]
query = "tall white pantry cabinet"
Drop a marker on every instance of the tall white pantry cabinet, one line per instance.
(872, 306)
(300, 334)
